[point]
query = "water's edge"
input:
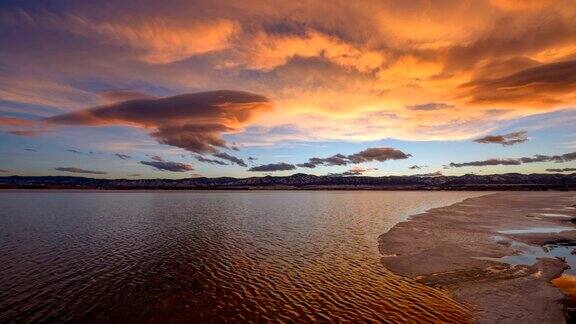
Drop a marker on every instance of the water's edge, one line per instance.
(453, 247)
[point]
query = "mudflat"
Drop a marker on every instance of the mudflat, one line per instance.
(461, 248)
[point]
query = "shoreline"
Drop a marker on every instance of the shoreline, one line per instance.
(511, 188)
(458, 248)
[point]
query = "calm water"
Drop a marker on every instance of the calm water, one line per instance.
(209, 256)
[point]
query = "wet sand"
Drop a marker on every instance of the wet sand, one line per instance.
(457, 248)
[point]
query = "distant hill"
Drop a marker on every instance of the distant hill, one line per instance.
(509, 181)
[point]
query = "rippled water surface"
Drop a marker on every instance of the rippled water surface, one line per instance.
(209, 256)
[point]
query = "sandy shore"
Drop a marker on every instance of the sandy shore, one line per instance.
(454, 248)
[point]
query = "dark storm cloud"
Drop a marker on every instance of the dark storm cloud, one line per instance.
(211, 161)
(169, 166)
(517, 161)
(78, 170)
(272, 167)
(380, 154)
(562, 170)
(194, 121)
(505, 139)
(430, 106)
(232, 159)
(538, 85)
(122, 156)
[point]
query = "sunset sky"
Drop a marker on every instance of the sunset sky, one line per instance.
(174, 89)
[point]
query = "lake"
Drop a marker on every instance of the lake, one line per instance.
(210, 256)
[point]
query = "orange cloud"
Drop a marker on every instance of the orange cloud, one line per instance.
(268, 51)
(542, 85)
(10, 121)
(353, 71)
(154, 39)
(20, 127)
(162, 40)
(521, 5)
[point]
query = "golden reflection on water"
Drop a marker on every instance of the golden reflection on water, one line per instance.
(567, 283)
(179, 257)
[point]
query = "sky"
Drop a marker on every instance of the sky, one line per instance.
(178, 89)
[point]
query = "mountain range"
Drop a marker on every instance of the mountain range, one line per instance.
(509, 181)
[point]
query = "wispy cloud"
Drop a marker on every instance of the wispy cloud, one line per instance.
(232, 159)
(78, 170)
(210, 161)
(169, 166)
(273, 167)
(355, 171)
(505, 139)
(156, 158)
(517, 161)
(429, 175)
(430, 106)
(379, 154)
(562, 170)
(545, 84)
(122, 156)
(11, 121)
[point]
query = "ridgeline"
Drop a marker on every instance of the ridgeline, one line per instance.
(299, 181)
